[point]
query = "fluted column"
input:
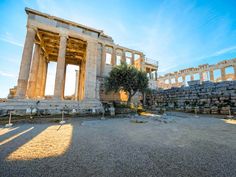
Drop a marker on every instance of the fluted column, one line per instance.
(132, 58)
(76, 84)
(155, 75)
(123, 58)
(60, 68)
(176, 80)
(234, 72)
(64, 83)
(212, 75)
(103, 61)
(39, 75)
(142, 62)
(90, 76)
(192, 77)
(81, 80)
(31, 91)
(184, 79)
(201, 76)
(22, 82)
(223, 74)
(44, 78)
(113, 56)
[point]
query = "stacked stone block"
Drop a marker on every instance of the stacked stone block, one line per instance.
(206, 98)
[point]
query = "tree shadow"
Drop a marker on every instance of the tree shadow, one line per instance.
(74, 161)
(55, 165)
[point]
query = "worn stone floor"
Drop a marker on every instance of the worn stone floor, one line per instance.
(178, 146)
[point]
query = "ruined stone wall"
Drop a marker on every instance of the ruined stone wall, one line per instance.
(207, 98)
(106, 97)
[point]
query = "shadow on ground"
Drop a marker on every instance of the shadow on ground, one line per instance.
(117, 147)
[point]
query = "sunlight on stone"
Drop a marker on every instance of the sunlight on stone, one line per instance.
(6, 130)
(53, 141)
(230, 121)
(149, 114)
(15, 136)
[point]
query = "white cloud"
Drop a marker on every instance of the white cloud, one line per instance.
(225, 50)
(174, 33)
(174, 64)
(5, 74)
(9, 38)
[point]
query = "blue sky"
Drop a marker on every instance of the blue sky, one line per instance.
(177, 33)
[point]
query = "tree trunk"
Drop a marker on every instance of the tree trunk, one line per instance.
(129, 99)
(144, 98)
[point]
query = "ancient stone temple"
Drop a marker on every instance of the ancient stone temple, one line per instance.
(52, 39)
(201, 73)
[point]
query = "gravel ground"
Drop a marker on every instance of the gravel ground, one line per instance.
(181, 145)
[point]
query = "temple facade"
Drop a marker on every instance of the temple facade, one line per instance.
(52, 39)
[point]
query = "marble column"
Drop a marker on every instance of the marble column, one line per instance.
(103, 61)
(132, 58)
(25, 63)
(60, 72)
(123, 58)
(31, 91)
(99, 59)
(113, 56)
(44, 78)
(234, 72)
(192, 77)
(223, 74)
(39, 76)
(201, 77)
(76, 84)
(142, 62)
(90, 71)
(176, 80)
(184, 79)
(155, 75)
(212, 75)
(169, 80)
(64, 83)
(81, 80)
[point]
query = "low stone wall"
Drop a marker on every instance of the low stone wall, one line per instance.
(206, 98)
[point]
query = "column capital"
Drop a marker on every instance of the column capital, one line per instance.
(103, 44)
(63, 35)
(32, 28)
(89, 40)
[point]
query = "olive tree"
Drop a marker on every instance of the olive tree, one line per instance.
(126, 78)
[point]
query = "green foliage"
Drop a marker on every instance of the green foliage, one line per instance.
(142, 81)
(126, 78)
(121, 106)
